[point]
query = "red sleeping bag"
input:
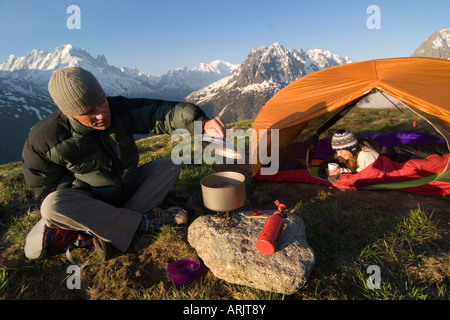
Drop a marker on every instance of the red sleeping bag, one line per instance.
(381, 171)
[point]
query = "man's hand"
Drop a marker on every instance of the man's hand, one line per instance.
(216, 128)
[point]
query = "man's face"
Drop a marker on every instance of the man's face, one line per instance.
(98, 118)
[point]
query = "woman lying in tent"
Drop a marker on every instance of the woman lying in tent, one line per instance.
(408, 162)
(354, 155)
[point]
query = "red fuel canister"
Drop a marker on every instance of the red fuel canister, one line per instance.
(271, 231)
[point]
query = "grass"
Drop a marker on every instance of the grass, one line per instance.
(397, 248)
(410, 247)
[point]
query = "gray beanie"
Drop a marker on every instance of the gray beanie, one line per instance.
(344, 140)
(75, 91)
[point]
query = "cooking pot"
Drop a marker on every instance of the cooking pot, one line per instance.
(223, 191)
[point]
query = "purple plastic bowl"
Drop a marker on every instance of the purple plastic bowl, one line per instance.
(183, 272)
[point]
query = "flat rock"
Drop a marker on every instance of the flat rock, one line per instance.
(228, 249)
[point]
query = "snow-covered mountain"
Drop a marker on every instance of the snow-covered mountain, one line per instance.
(436, 46)
(178, 83)
(24, 97)
(263, 73)
(38, 65)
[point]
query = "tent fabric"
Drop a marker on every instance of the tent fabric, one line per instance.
(421, 83)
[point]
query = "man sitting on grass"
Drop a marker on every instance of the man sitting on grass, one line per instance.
(82, 160)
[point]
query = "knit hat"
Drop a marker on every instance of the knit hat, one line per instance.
(344, 140)
(75, 91)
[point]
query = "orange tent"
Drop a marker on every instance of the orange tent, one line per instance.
(420, 83)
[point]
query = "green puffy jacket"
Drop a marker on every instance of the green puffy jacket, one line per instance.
(62, 153)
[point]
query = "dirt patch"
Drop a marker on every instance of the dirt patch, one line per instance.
(434, 270)
(143, 267)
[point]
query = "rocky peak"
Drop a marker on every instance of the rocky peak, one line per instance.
(436, 46)
(264, 72)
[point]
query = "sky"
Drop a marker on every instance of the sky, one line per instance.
(156, 35)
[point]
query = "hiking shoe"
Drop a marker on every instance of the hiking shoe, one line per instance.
(103, 249)
(158, 217)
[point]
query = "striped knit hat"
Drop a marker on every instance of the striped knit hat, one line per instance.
(75, 91)
(344, 140)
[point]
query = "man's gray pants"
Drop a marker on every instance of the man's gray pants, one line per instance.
(74, 209)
